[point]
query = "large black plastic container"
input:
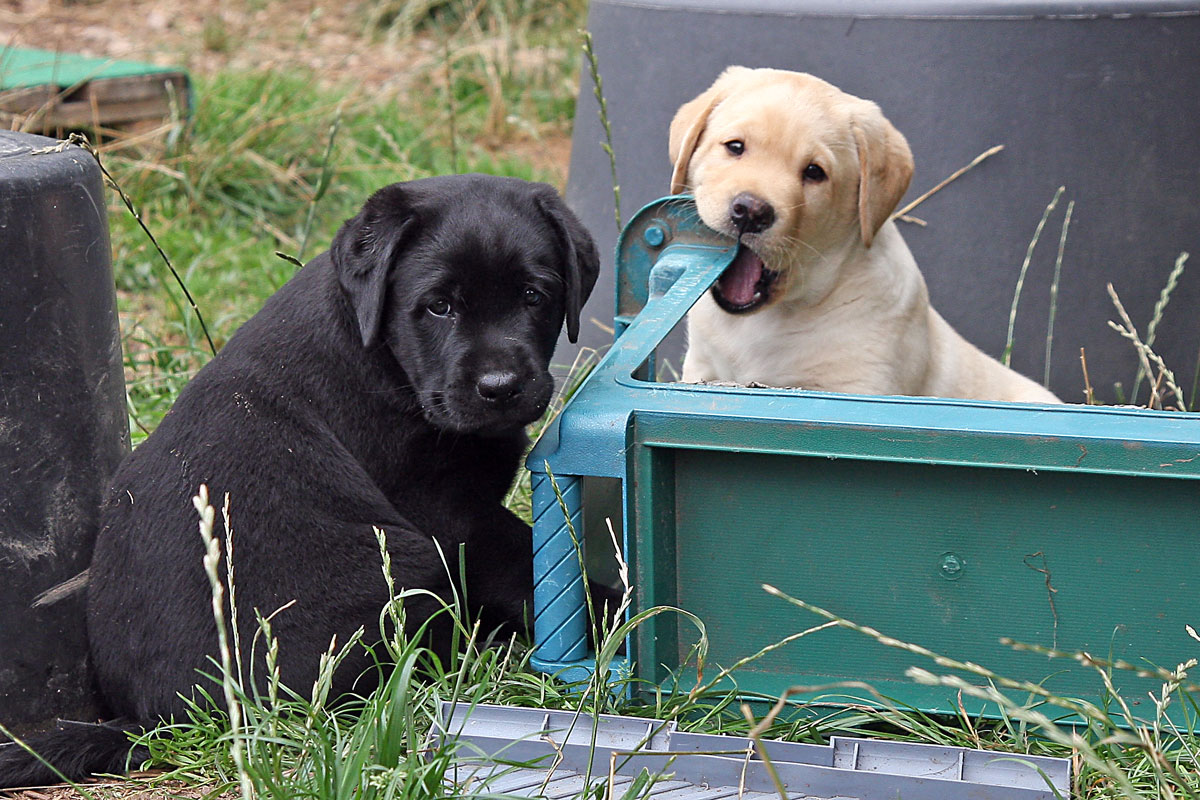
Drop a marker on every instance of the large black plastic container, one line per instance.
(63, 425)
(1099, 96)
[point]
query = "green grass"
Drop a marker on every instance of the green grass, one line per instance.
(271, 164)
(253, 177)
(275, 742)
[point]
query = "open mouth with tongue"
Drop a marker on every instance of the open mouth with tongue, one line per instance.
(745, 284)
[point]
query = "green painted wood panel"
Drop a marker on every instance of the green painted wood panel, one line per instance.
(943, 556)
(22, 67)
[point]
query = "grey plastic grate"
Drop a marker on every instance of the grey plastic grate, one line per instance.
(522, 752)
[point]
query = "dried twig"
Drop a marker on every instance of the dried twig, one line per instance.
(1044, 569)
(903, 213)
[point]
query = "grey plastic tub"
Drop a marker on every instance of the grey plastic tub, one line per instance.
(1100, 97)
(63, 425)
(528, 752)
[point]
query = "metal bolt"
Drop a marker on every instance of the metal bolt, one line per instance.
(654, 236)
(952, 566)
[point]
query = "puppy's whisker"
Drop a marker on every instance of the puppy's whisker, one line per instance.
(820, 256)
(799, 204)
(784, 246)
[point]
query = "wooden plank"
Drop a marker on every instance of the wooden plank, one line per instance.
(140, 87)
(106, 102)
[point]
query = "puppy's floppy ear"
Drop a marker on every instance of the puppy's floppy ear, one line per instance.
(885, 166)
(364, 251)
(690, 121)
(581, 260)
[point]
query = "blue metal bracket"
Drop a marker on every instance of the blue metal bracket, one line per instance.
(665, 250)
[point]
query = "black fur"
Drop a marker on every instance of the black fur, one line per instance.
(78, 748)
(352, 399)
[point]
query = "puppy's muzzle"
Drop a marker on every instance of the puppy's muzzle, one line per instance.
(750, 214)
(500, 389)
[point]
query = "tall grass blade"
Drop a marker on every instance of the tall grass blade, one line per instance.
(451, 108)
(1006, 357)
(322, 183)
(82, 141)
(1062, 243)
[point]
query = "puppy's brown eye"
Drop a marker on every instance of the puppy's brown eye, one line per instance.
(533, 297)
(439, 308)
(813, 172)
(735, 147)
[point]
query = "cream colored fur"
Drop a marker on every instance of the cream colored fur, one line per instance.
(849, 311)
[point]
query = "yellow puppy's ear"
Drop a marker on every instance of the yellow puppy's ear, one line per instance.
(690, 121)
(885, 169)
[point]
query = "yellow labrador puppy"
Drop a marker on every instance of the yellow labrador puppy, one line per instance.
(824, 293)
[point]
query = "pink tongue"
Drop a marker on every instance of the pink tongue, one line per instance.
(738, 280)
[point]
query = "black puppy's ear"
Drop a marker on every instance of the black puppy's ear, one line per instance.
(581, 260)
(364, 251)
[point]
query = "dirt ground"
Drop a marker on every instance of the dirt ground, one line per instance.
(111, 790)
(337, 41)
(208, 35)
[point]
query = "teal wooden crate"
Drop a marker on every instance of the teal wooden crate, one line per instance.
(947, 523)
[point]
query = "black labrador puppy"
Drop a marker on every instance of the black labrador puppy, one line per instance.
(387, 385)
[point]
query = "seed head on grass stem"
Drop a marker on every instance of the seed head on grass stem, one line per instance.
(212, 559)
(1081, 707)
(1167, 765)
(589, 50)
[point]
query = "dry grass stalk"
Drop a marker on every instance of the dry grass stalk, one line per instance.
(1130, 332)
(1146, 356)
(1089, 395)
(1163, 298)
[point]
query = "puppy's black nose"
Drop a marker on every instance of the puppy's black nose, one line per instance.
(749, 214)
(499, 388)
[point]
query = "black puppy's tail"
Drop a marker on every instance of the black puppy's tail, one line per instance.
(76, 750)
